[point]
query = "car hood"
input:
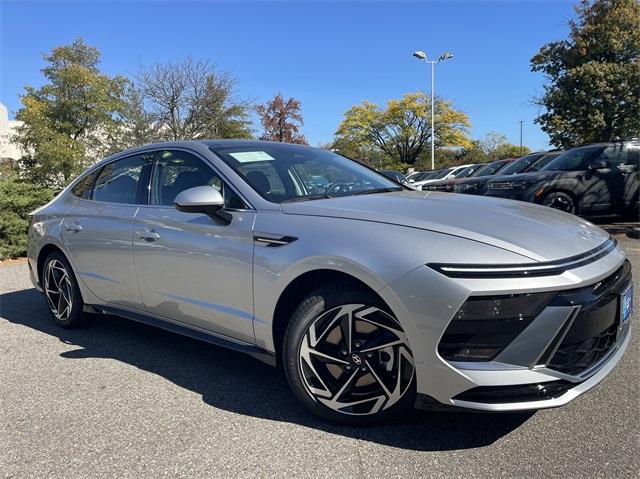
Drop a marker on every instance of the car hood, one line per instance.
(537, 232)
(476, 179)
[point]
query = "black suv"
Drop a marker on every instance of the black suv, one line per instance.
(596, 179)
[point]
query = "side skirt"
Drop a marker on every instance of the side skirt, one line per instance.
(206, 336)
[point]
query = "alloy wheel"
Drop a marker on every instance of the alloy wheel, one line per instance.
(560, 203)
(355, 359)
(58, 289)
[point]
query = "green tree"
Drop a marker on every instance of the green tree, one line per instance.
(402, 130)
(67, 119)
(593, 88)
(18, 198)
(494, 146)
(136, 126)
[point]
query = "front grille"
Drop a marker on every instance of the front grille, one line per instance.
(593, 331)
(573, 358)
(517, 393)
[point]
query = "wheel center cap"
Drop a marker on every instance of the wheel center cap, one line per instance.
(356, 359)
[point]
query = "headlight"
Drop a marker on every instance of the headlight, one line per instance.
(485, 325)
(428, 188)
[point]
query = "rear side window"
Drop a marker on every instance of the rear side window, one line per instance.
(615, 155)
(118, 180)
(83, 188)
(634, 155)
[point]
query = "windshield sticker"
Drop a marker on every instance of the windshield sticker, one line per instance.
(251, 156)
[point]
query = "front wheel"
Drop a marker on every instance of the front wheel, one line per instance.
(347, 358)
(560, 201)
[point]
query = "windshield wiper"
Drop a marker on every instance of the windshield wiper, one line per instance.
(377, 190)
(307, 198)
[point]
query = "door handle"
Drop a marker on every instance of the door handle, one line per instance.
(148, 235)
(73, 227)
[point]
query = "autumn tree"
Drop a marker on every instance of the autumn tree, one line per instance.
(402, 130)
(281, 120)
(190, 99)
(68, 118)
(593, 77)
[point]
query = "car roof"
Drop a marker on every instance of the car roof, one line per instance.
(191, 143)
(210, 144)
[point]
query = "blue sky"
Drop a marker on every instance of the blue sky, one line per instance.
(330, 55)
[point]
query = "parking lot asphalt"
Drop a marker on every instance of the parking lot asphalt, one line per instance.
(120, 399)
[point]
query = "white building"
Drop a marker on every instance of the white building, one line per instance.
(8, 149)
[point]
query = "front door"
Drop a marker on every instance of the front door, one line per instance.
(193, 268)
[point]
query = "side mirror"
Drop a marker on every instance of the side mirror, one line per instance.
(411, 180)
(200, 199)
(598, 165)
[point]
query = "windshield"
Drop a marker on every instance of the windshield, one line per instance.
(574, 160)
(491, 168)
(427, 175)
(281, 172)
(394, 175)
(468, 171)
(521, 164)
(545, 160)
(441, 174)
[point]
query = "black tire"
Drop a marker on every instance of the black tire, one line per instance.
(560, 201)
(57, 265)
(324, 300)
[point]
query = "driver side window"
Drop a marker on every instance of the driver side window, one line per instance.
(176, 171)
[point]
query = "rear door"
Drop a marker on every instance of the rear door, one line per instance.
(604, 188)
(630, 170)
(98, 231)
(193, 268)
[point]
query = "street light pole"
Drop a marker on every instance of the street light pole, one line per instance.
(521, 122)
(433, 117)
(420, 55)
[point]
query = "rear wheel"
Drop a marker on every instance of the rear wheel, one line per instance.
(347, 358)
(61, 291)
(560, 201)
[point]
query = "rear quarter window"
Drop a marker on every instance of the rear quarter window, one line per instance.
(84, 188)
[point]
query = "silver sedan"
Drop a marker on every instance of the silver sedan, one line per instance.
(373, 298)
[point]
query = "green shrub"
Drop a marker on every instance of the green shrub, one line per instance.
(17, 199)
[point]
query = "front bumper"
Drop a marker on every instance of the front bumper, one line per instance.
(572, 392)
(528, 195)
(517, 369)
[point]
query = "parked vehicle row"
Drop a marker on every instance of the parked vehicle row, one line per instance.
(596, 179)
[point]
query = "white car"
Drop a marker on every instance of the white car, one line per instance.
(443, 175)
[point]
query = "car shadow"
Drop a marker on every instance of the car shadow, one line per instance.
(236, 382)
